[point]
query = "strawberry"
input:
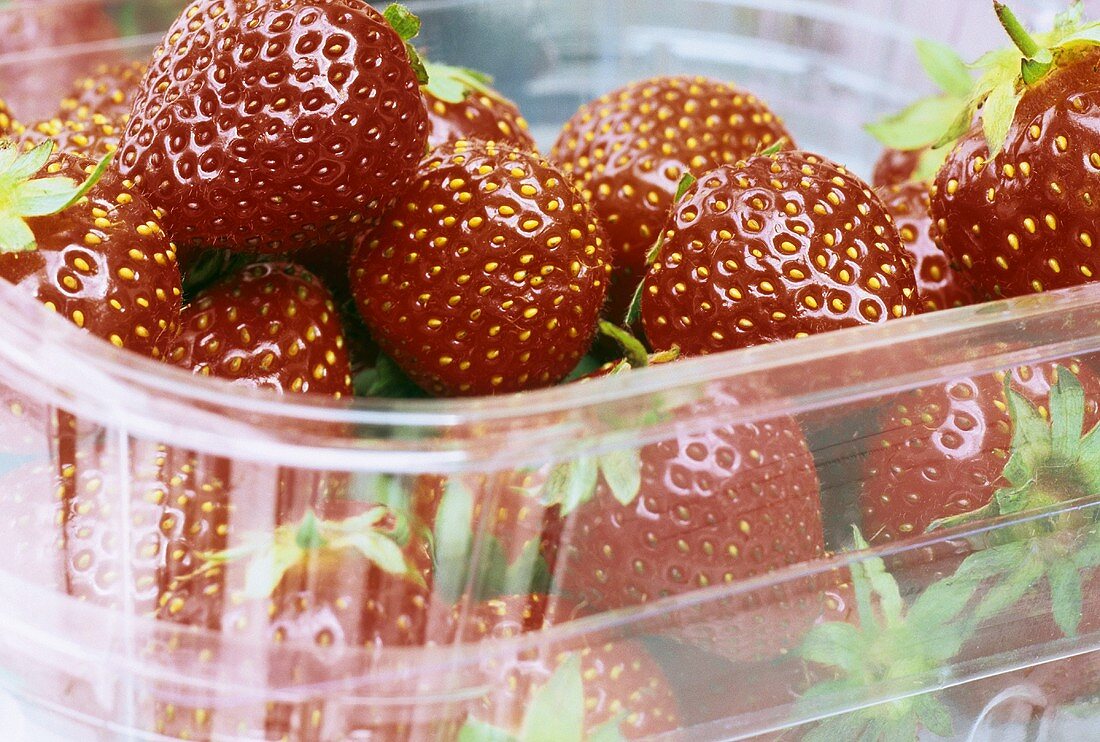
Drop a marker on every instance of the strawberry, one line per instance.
(944, 447)
(93, 252)
(1014, 201)
(269, 126)
(487, 277)
(91, 138)
(109, 91)
(350, 581)
(938, 283)
(27, 27)
(781, 246)
(272, 326)
(613, 690)
(629, 150)
(462, 104)
(508, 616)
(92, 117)
(895, 167)
(700, 509)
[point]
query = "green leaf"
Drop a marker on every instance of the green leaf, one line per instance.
(634, 311)
(588, 364)
(266, 569)
(945, 67)
(1065, 595)
(1067, 414)
(959, 126)
(474, 730)
(948, 642)
(1005, 594)
(941, 603)
(309, 535)
(492, 568)
(897, 729)
(1070, 18)
(930, 162)
(455, 84)
(835, 644)
(991, 562)
(920, 125)
(683, 187)
(555, 712)
(997, 114)
(1088, 555)
(1031, 441)
(527, 574)
(15, 235)
(453, 537)
(861, 587)
(884, 584)
(403, 21)
(17, 167)
(386, 380)
(571, 483)
(380, 549)
(622, 470)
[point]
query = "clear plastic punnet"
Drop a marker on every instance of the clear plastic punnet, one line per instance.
(146, 515)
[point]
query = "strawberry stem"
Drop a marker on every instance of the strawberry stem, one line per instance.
(632, 348)
(1037, 59)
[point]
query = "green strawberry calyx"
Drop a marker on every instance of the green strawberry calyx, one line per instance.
(1007, 74)
(555, 711)
(922, 125)
(455, 84)
(24, 196)
(378, 534)
(407, 25)
(488, 573)
(890, 641)
(1050, 465)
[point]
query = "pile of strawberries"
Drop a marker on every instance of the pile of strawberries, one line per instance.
(289, 197)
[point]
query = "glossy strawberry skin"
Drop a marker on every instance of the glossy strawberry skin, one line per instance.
(269, 126)
(1026, 222)
(943, 449)
(487, 277)
(895, 167)
(714, 507)
(762, 251)
(271, 326)
(105, 264)
(484, 116)
(940, 286)
(628, 151)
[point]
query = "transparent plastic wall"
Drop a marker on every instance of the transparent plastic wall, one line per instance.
(146, 516)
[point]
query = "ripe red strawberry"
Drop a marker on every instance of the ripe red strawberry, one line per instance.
(109, 91)
(705, 508)
(487, 277)
(940, 286)
(579, 694)
(8, 124)
(271, 326)
(943, 448)
(268, 126)
(27, 27)
(509, 616)
(91, 138)
(103, 262)
(351, 581)
(1015, 202)
(895, 167)
(629, 150)
(462, 104)
(780, 246)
